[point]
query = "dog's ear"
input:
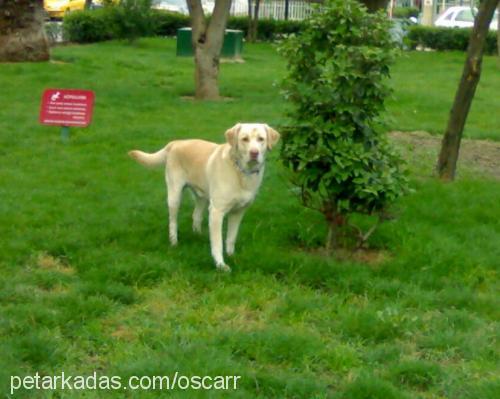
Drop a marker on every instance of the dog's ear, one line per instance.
(232, 135)
(272, 137)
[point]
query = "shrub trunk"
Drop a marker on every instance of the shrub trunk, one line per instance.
(336, 222)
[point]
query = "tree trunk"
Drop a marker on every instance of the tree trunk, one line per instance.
(206, 74)
(88, 4)
(22, 33)
(498, 29)
(450, 145)
(207, 42)
(253, 23)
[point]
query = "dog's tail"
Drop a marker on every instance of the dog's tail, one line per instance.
(158, 158)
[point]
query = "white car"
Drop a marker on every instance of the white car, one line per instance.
(462, 17)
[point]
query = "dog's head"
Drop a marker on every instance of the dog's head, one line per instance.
(250, 141)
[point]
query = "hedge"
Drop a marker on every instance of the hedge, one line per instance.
(103, 24)
(90, 26)
(405, 12)
(446, 38)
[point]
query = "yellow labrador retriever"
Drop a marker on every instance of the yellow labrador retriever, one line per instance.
(226, 177)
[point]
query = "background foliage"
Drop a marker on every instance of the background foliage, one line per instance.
(447, 38)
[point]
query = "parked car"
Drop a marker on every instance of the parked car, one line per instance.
(462, 17)
(57, 8)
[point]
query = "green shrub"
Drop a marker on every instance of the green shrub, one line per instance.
(166, 23)
(120, 22)
(90, 26)
(129, 19)
(405, 12)
(338, 69)
(133, 18)
(446, 38)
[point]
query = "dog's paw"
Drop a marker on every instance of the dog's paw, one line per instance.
(197, 229)
(230, 248)
(223, 268)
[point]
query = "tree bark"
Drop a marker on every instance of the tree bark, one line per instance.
(22, 33)
(253, 23)
(88, 4)
(207, 42)
(498, 30)
(450, 145)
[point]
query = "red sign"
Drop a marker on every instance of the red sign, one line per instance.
(63, 107)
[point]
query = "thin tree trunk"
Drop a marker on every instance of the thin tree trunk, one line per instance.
(88, 4)
(206, 74)
(207, 42)
(22, 33)
(450, 145)
(255, 20)
(253, 23)
(498, 29)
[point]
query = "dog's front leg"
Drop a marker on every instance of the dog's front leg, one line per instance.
(233, 224)
(216, 217)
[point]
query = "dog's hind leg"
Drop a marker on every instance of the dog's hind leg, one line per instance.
(199, 208)
(174, 195)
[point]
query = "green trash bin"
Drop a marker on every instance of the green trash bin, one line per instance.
(233, 43)
(231, 48)
(184, 45)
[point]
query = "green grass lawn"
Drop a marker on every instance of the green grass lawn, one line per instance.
(88, 281)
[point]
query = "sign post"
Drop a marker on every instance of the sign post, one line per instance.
(66, 108)
(65, 134)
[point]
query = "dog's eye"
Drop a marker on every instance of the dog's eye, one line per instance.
(245, 139)
(260, 139)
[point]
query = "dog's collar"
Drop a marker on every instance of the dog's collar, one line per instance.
(245, 171)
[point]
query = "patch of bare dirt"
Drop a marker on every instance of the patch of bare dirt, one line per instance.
(477, 157)
(124, 333)
(367, 256)
(48, 262)
(192, 98)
